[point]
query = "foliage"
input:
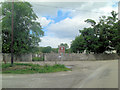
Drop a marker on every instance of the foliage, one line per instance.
(37, 58)
(100, 37)
(27, 31)
(68, 50)
(78, 44)
(25, 68)
(117, 42)
(55, 50)
(65, 45)
(46, 49)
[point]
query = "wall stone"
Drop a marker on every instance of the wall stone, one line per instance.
(65, 57)
(22, 57)
(81, 56)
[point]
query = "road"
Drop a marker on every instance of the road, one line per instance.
(105, 77)
(84, 74)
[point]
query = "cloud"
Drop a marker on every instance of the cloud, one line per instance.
(43, 21)
(53, 41)
(51, 8)
(67, 28)
(108, 9)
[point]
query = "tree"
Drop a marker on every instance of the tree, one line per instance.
(117, 44)
(27, 31)
(47, 49)
(100, 37)
(65, 45)
(114, 31)
(55, 50)
(78, 44)
(92, 22)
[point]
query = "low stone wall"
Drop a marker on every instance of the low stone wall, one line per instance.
(22, 57)
(65, 57)
(80, 56)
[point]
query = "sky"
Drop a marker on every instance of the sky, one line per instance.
(61, 21)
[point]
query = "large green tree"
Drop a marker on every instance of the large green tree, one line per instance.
(100, 37)
(27, 31)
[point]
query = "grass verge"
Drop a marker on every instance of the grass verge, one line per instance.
(23, 68)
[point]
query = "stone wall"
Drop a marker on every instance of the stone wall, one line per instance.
(80, 56)
(23, 57)
(65, 57)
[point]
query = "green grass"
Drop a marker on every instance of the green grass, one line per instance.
(23, 68)
(37, 59)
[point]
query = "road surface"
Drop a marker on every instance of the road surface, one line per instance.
(84, 74)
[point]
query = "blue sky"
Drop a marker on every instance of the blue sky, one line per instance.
(60, 16)
(61, 22)
(115, 4)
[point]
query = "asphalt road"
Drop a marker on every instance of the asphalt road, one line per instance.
(84, 74)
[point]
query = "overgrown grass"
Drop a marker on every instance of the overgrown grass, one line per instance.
(23, 68)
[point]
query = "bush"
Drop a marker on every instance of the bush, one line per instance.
(37, 59)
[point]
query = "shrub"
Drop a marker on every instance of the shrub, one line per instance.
(37, 59)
